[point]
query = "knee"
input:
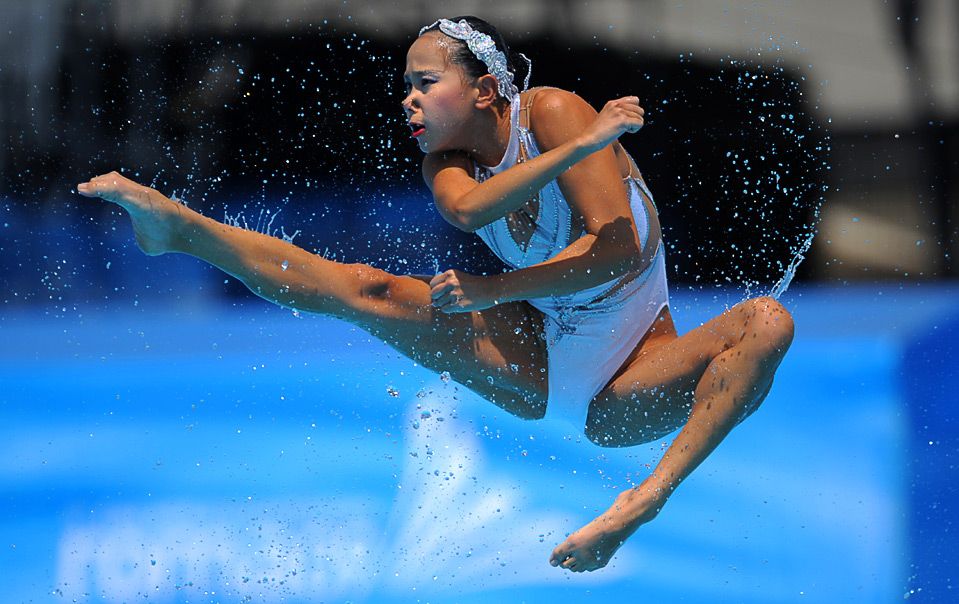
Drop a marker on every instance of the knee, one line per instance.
(362, 292)
(370, 283)
(771, 324)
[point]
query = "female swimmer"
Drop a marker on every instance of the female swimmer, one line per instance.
(580, 331)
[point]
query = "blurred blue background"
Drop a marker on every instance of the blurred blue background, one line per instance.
(165, 436)
(218, 454)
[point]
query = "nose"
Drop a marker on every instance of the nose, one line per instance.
(407, 102)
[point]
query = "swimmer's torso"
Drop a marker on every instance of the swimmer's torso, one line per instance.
(546, 224)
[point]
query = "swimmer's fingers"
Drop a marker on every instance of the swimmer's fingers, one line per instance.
(635, 120)
(444, 293)
(617, 117)
(442, 280)
(441, 290)
(445, 300)
(632, 112)
(444, 288)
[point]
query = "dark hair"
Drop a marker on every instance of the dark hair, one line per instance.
(461, 55)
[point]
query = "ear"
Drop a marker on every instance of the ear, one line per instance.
(487, 91)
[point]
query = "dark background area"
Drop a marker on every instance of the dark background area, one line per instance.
(307, 122)
(289, 117)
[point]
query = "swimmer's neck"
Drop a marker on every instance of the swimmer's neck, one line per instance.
(486, 148)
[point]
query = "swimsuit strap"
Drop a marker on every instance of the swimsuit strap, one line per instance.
(524, 110)
(524, 116)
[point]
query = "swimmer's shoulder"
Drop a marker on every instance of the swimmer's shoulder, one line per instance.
(555, 115)
(449, 176)
(434, 163)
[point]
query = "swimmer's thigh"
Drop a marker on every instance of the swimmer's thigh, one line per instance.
(498, 352)
(653, 396)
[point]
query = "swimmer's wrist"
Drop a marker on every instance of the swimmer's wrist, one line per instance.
(499, 289)
(586, 146)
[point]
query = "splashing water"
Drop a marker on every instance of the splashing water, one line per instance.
(783, 284)
(264, 224)
(771, 187)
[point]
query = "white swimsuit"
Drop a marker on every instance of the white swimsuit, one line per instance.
(590, 333)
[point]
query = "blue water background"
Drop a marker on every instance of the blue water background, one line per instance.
(182, 451)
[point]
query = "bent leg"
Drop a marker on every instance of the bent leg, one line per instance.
(710, 379)
(660, 389)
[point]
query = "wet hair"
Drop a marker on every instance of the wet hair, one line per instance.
(461, 55)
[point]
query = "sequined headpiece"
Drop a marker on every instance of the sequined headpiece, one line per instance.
(483, 46)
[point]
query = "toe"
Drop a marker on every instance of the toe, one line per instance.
(559, 554)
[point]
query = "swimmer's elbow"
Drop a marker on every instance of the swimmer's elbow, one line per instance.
(471, 225)
(467, 225)
(461, 220)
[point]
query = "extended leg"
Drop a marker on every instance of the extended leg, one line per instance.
(480, 349)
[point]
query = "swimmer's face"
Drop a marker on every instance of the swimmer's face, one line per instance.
(438, 99)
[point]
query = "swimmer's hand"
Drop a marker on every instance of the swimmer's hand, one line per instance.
(617, 117)
(155, 218)
(456, 291)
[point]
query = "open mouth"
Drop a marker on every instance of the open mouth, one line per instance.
(418, 129)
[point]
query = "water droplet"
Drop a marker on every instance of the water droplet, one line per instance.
(285, 264)
(445, 376)
(392, 391)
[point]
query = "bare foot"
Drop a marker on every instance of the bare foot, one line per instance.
(156, 219)
(591, 547)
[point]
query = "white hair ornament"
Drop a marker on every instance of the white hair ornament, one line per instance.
(484, 48)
